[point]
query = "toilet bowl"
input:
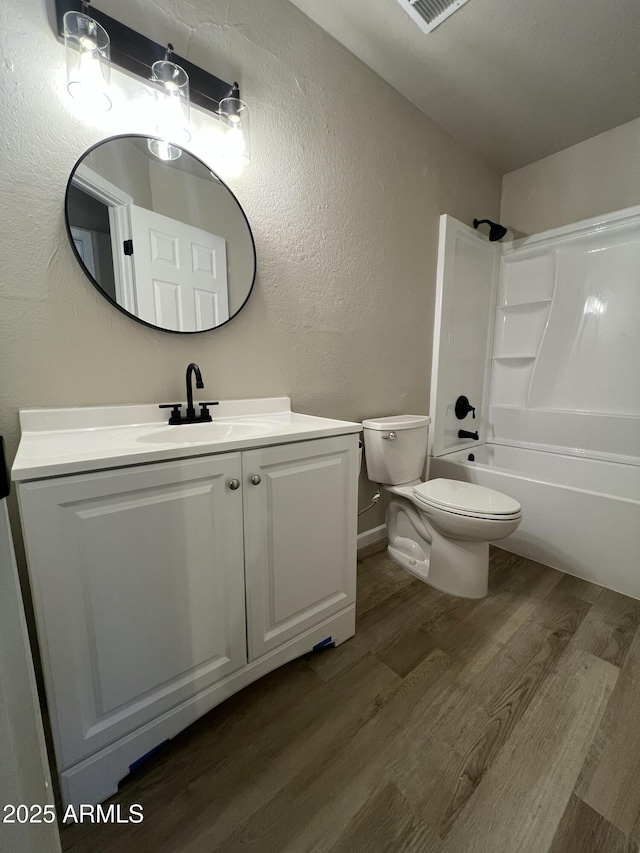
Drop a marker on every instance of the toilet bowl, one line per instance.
(438, 530)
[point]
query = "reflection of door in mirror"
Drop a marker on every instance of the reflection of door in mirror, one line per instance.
(82, 240)
(180, 273)
(103, 210)
(93, 239)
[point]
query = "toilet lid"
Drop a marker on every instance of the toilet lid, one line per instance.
(397, 422)
(465, 498)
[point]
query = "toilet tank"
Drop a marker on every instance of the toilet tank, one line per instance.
(395, 448)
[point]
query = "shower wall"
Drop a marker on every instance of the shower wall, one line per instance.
(566, 355)
(463, 331)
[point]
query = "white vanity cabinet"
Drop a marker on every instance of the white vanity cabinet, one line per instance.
(138, 582)
(300, 537)
(161, 589)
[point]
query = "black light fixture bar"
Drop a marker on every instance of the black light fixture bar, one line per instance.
(136, 53)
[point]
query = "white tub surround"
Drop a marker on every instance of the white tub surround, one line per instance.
(172, 566)
(594, 435)
(567, 339)
(465, 297)
(560, 405)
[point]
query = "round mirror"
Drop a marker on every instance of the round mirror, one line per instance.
(159, 234)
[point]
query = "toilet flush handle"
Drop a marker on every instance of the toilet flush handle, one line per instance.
(390, 436)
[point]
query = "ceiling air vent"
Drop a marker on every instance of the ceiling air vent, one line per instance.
(428, 14)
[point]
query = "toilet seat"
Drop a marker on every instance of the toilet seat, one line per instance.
(466, 499)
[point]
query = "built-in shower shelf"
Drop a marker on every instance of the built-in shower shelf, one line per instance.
(511, 376)
(514, 358)
(520, 328)
(536, 305)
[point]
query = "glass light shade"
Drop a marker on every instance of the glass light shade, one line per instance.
(163, 150)
(236, 146)
(172, 93)
(88, 52)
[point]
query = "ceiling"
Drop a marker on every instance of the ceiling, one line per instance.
(516, 80)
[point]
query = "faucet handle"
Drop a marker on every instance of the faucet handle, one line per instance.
(176, 417)
(204, 410)
(463, 407)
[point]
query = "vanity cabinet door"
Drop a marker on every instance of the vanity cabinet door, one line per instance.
(138, 584)
(300, 509)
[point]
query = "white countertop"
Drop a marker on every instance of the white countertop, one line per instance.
(55, 442)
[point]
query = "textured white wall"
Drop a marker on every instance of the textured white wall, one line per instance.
(597, 176)
(344, 192)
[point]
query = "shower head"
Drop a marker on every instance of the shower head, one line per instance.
(496, 231)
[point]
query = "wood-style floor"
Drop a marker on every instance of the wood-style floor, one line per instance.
(506, 725)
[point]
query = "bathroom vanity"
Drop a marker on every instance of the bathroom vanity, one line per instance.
(171, 566)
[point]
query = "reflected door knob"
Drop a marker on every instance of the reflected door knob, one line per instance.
(256, 479)
(234, 484)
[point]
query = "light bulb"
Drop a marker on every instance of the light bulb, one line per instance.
(87, 48)
(163, 150)
(172, 94)
(236, 144)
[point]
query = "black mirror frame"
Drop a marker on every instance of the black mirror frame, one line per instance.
(93, 280)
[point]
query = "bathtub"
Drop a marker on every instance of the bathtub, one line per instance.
(580, 515)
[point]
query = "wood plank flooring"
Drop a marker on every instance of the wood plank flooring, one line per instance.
(505, 725)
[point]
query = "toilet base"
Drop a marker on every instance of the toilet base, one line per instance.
(409, 560)
(453, 566)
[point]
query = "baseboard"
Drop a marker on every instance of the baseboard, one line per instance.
(374, 534)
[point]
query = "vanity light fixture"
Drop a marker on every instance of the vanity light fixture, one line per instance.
(172, 89)
(179, 82)
(236, 149)
(88, 55)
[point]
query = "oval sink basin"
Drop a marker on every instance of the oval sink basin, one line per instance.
(217, 430)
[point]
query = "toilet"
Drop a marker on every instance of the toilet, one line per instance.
(438, 530)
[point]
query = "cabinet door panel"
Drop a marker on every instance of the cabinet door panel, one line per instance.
(139, 589)
(300, 537)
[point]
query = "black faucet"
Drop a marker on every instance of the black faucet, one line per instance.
(190, 415)
(463, 433)
(191, 369)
